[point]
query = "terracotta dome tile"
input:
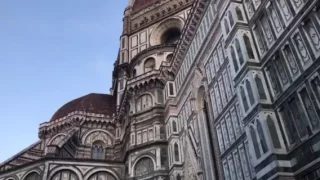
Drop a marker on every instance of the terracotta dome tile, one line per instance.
(92, 103)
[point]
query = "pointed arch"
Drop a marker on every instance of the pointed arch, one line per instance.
(244, 99)
(255, 142)
(273, 133)
(174, 126)
(263, 141)
(134, 73)
(250, 92)
(239, 52)
(248, 46)
(230, 19)
(226, 26)
(239, 14)
(176, 152)
(261, 91)
(234, 59)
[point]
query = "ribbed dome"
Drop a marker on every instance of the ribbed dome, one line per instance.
(92, 103)
(140, 4)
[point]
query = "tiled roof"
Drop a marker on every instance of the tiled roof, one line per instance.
(92, 103)
(140, 4)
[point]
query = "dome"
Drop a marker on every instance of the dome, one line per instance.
(140, 4)
(92, 103)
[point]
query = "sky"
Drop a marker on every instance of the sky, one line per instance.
(52, 51)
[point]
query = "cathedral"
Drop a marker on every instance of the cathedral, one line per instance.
(201, 90)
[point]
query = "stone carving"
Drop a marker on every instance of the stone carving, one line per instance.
(291, 60)
(313, 35)
(302, 50)
(267, 30)
(284, 9)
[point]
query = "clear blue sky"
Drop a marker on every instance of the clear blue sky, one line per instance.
(52, 51)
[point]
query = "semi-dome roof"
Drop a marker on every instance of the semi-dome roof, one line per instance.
(140, 4)
(92, 103)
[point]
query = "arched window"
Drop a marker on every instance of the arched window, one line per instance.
(244, 99)
(149, 64)
(174, 126)
(144, 102)
(239, 52)
(262, 94)
(247, 43)
(250, 93)
(255, 142)
(65, 175)
(176, 152)
(98, 150)
(178, 177)
(169, 58)
(33, 176)
(144, 167)
(273, 133)
(171, 36)
(102, 175)
(134, 73)
(262, 138)
(234, 60)
(239, 14)
(226, 25)
(230, 19)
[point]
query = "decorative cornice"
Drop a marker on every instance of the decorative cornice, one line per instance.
(156, 12)
(188, 34)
